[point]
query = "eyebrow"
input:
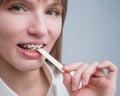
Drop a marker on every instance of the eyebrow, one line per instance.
(17, 1)
(56, 3)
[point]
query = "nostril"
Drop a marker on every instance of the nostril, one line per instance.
(38, 26)
(37, 31)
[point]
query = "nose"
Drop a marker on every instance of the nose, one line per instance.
(38, 26)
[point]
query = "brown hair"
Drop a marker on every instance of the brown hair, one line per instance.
(57, 48)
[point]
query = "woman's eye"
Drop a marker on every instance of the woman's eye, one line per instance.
(52, 12)
(17, 8)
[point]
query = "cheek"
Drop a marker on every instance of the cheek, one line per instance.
(55, 30)
(10, 31)
(11, 26)
(54, 34)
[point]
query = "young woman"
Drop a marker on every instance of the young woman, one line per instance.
(24, 72)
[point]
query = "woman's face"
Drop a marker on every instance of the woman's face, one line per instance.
(28, 22)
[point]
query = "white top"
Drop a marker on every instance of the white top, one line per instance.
(57, 87)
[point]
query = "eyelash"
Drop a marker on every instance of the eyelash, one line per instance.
(20, 8)
(56, 12)
(17, 7)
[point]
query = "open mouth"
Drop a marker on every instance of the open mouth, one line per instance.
(30, 47)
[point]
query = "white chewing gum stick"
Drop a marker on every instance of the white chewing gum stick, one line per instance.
(54, 61)
(51, 59)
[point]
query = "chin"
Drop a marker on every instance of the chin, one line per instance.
(29, 66)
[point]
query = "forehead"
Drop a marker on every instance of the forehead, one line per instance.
(43, 1)
(48, 2)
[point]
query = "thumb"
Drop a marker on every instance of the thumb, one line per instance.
(67, 80)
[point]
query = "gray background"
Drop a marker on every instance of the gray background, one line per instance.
(92, 32)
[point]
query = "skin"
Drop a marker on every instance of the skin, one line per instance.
(94, 81)
(33, 22)
(29, 22)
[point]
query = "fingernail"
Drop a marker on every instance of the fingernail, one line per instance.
(83, 82)
(74, 87)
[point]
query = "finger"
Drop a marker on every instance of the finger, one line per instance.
(76, 79)
(88, 72)
(99, 73)
(112, 69)
(71, 67)
(67, 79)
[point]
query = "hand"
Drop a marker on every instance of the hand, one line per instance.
(94, 80)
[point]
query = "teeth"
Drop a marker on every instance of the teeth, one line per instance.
(32, 47)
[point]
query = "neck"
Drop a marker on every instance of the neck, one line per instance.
(32, 83)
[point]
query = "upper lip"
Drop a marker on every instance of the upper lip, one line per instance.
(33, 43)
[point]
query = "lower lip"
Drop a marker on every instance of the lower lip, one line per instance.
(29, 54)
